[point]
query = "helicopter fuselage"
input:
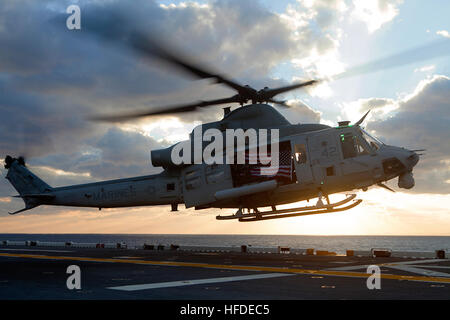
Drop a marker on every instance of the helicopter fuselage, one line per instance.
(315, 160)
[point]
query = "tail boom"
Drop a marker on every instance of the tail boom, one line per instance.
(159, 189)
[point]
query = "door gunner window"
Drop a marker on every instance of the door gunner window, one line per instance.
(352, 146)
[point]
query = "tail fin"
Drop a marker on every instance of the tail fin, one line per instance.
(31, 189)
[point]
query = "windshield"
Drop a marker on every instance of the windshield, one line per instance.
(372, 141)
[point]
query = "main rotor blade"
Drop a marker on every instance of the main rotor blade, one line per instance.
(150, 47)
(163, 110)
(270, 93)
(119, 29)
(425, 52)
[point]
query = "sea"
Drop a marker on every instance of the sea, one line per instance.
(330, 243)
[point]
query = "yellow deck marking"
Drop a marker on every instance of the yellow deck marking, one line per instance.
(232, 267)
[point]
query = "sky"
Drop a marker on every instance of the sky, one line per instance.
(51, 79)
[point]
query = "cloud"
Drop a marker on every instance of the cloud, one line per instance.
(318, 28)
(443, 33)
(123, 154)
(34, 124)
(379, 108)
(425, 68)
(300, 112)
(375, 13)
(315, 26)
(421, 122)
(115, 154)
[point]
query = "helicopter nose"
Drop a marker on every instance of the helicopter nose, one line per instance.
(400, 162)
(412, 159)
(406, 180)
(409, 158)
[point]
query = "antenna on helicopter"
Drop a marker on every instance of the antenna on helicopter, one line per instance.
(362, 119)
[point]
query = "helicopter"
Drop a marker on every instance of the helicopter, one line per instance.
(314, 160)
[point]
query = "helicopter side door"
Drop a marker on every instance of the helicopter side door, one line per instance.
(302, 160)
(324, 157)
(202, 181)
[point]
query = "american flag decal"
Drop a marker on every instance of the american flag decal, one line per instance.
(284, 169)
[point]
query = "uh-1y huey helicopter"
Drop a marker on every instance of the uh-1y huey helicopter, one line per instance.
(315, 160)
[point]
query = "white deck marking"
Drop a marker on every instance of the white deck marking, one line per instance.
(437, 267)
(170, 284)
(421, 271)
(416, 266)
(418, 261)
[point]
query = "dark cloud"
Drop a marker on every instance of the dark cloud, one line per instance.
(35, 124)
(422, 122)
(122, 153)
(116, 154)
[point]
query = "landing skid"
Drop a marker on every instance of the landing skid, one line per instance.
(293, 212)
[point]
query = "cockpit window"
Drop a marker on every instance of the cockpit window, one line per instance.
(352, 146)
(372, 141)
(361, 147)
